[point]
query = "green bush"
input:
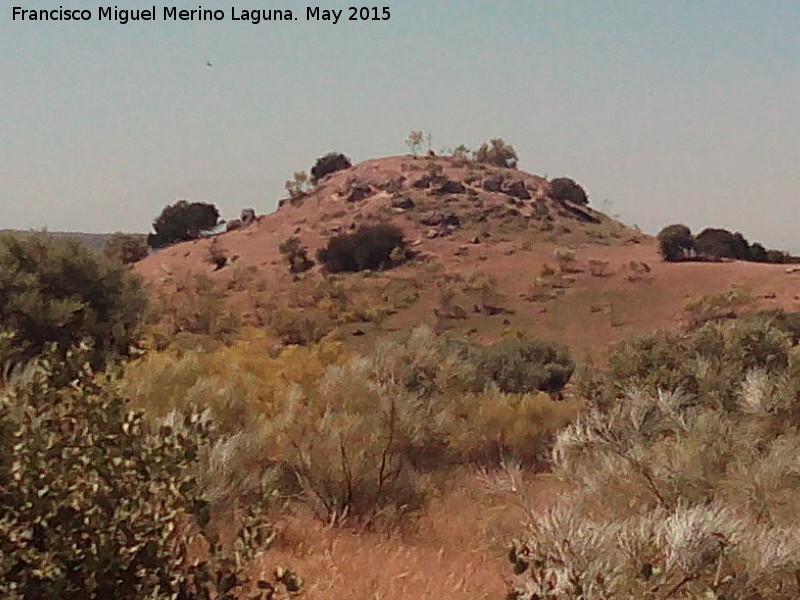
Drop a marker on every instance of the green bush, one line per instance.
(330, 163)
(296, 255)
(757, 253)
(57, 291)
(675, 242)
(126, 248)
(711, 361)
(721, 243)
(182, 221)
(566, 189)
(498, 153)
(369, 247)
(522, 364)
(95, 503)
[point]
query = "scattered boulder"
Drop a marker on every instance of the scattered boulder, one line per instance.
(423, 182)
(449, 186)
(577, 213)
(403, 202)
(434, 218)
(248, 216)
(234, 224)
(358, 193)
(493, 183)
(516, 189)
(394, 185)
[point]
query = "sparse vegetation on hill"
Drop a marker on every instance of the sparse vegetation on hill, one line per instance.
(182, 221)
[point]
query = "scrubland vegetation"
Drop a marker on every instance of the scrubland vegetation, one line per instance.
(164, 442)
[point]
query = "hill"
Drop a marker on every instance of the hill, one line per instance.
(495, 249)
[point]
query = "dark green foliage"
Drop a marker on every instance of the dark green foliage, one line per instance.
(369, 247)
(57, 291)
(498, 153)
(567, 190)
(183, 221)
(94, 503)
(330, 163)
(777, 257)
(675, 242)
(523, 364)
(721, 243)
(711, 361)
(757, 253)
(788, 322)
(126, 248)
(296, 255)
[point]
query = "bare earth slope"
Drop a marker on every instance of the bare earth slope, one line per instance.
(494, 250)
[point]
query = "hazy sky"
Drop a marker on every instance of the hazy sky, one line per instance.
(673, 111)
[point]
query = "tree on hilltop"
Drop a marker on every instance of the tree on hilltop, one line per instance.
(330, 163)
(181, 222)
(675, 242)
(498, 153)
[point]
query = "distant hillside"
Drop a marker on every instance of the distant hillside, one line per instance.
(95, 241)
(493, 250)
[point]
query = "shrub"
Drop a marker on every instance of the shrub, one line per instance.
(757, 253)
(566, 190)
(97, 504)
(461, 153)
(498, 153)
(195, 307)
(217, 255)
(777, 256)
(711, 361)
(414, 141)
(675, 242)
(183, 221)
(126, 248)
(696, 501)
(522, 364)
(566, 259)
(369, 247)
(296, 255)
(330, 163)
(343, 442)
(298, 186)
(56, 291)
(721, 243)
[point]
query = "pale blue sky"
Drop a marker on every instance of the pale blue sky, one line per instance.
(671, 111)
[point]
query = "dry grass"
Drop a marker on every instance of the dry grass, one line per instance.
(455, 549)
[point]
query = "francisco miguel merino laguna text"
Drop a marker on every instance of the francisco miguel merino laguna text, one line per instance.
(173, 13)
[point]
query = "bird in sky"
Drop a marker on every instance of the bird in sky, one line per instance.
(209, 63)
